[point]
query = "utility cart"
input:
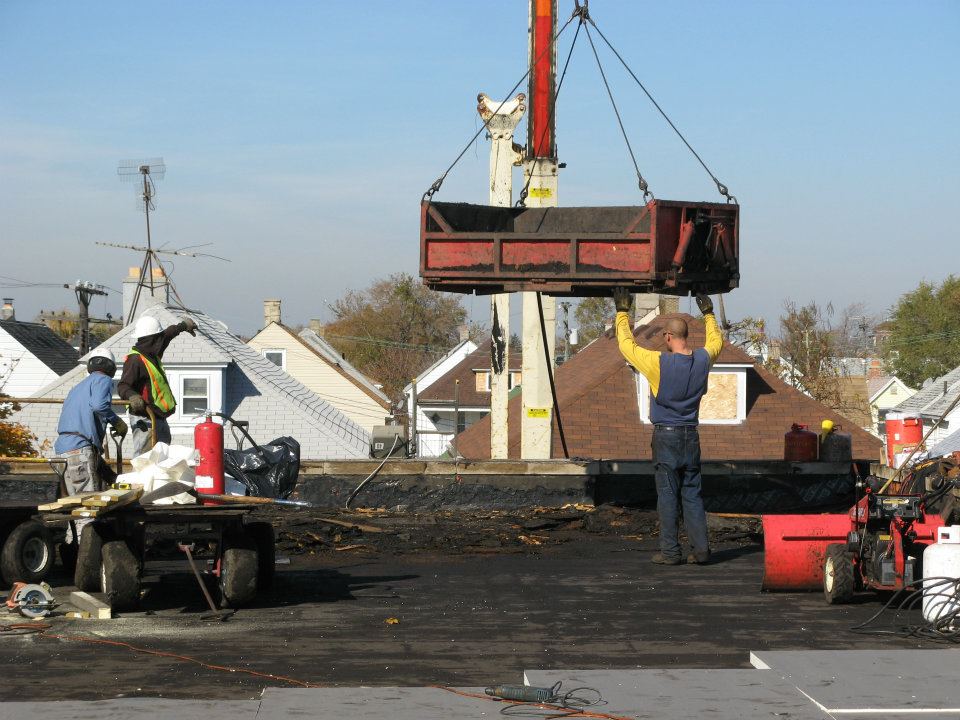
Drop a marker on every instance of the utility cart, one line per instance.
(26, 544)
(113, 546)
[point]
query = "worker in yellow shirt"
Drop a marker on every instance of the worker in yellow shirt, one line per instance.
(678, 380)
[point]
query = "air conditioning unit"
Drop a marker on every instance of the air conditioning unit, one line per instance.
(385, 437)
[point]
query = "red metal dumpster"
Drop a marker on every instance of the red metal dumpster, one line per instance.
(666, 246)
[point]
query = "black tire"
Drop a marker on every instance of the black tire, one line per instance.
(238, 570)
(86, 575)
(265, 540)
(839, 575)
(27, 554)
(120, 572)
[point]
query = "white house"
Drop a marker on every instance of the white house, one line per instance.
(434, 424)
(217, 371)
(31, 355)
(933, 400)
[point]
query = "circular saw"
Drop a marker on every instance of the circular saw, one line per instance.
(30, 600)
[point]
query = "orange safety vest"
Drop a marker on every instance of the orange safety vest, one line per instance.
(161, 395)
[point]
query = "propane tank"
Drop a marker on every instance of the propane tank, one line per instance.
(835, 446)
(800, 444)
(208, 440)
(941, 560)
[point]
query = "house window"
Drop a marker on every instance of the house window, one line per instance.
(893, 389)
(484, 381)
(195, 394)
(461, 422)
(277, 357)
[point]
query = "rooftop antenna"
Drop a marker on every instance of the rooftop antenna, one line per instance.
(143, 173)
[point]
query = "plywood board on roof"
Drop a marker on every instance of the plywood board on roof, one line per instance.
(720, 402)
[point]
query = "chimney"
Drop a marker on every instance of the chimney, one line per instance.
(271, 312)
(317, 326)
(464, 332)
(161, 291)
(7, 313)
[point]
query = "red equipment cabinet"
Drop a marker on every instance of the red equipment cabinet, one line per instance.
(208, 440)
(665, 246)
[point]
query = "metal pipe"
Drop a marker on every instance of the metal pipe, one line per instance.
(412, 420)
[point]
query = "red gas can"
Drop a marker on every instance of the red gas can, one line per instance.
(800, 444)
(903, 434)
(208, 440)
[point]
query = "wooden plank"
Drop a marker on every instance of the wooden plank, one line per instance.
(98, 609)
(111, 497)
(65, 502)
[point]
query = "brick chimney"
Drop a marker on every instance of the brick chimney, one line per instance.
(7, 312)
(271, 312)
(464, 332)
(317, 326)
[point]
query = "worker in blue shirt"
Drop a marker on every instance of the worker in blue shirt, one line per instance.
(678, 380)
(83, 422)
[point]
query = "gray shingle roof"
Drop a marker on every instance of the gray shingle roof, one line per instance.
(934, 399)
(950, 444)
(44, 344)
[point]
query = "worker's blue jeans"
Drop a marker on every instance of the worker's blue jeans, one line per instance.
(676, 457)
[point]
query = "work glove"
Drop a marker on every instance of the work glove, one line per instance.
(705, 304)
(137, 405)
(188, 325)
(120, 428)
(622, 299)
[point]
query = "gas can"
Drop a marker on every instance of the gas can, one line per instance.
(903, 434)
(942, 560)
(800, 444)
(836, 446)
(208, 440)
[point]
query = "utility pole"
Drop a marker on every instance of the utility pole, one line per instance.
(501, 120)
(540, 174)
(85, 292)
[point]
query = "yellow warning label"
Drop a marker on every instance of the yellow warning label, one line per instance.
(538, 412)
(541, 192)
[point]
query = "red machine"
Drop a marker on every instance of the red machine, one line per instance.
(208, 440)
(878, 544)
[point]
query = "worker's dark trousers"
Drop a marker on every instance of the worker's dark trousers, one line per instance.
(676, 457)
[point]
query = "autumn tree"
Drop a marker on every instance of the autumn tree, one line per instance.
(16, 440)
(592, 315)
(924, 326)
(395, 329)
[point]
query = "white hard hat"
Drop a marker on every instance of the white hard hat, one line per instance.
(102, 352)
(146, 326)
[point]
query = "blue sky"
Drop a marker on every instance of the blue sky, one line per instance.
(299, 137)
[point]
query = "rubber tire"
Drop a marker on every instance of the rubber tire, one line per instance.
(86, 574)
(239, 570)
(120, 573)
(839, 575)
(29, 536)
(266, 542)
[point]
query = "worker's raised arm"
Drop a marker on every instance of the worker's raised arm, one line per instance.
(646, 362)
(714, 342)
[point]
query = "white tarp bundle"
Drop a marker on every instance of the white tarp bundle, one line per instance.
(164, 464)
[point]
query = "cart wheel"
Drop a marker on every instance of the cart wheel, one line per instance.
(86, 576)
(27, 554)
(262, 534)
(120, 575)
(839, 575)
(238, 570)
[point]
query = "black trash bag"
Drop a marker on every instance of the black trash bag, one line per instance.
(268, 471)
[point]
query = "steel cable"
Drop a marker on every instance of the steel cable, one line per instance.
(439, 181)
(720, 186)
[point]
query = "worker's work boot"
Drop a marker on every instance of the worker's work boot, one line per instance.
(661, 559)
(696, 558)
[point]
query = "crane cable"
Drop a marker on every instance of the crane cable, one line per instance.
(439, 181)
(720, 186)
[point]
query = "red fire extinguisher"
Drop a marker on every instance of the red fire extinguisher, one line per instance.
(208, 440)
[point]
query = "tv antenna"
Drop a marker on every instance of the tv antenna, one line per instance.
(143, 173)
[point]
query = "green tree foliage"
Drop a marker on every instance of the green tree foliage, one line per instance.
(591, 315)
(924, 328)
(395, 329)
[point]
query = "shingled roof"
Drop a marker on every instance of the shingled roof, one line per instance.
(44, 344)
(597, 395)
(442, 390)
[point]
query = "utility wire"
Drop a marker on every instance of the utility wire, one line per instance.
(720, 186)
